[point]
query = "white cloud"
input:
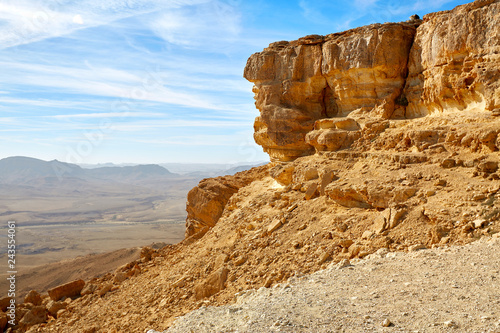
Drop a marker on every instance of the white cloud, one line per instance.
(207, 25)
(26, 21)
(78, 19)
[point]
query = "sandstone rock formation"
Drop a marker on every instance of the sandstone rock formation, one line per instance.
(206, 202)
(454, 61)
(326, 92)
(318, 77)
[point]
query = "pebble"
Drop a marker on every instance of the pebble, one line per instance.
(386, 323)
(451, 324)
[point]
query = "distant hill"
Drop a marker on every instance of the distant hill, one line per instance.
(130, 172)
(21, 170)
(209, 169)
(239, 168)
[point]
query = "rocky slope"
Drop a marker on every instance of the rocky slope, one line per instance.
(440, 290)
(382, 137)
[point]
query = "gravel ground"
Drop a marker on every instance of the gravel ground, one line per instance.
(454, 289)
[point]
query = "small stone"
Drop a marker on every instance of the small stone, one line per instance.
(430, 193)
(214, 283)
(479, 223)
(367, 234)
(240, 261)
(488, 166)
(310, 174)
(37, 315)
(88, 289)
(381, 220)
(302, 227)
(33, 297)
(416, 247)
(326, 179)
(107, 287)
(311, 191)
(268, 282)
(147, 253)
(450, 324)
(345, 243)
(292, 207)
(119, 278)
(382, 252)
(342, 227)
(343, 263)
(478, 197)
(274, 225)
(53, 307)
(448, 163)
(324, 257)
(440, 182)
(386, 323)
(180, 282)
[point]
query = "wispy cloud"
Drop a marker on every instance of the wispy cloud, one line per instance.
(206, 26)
(106, 82)
(106, 115)
(26, 21)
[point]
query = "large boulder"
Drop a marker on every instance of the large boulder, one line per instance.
(70, 289)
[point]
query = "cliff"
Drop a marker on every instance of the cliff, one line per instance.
(324, 93)
(383, 138)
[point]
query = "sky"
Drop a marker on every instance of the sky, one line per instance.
(151, 81)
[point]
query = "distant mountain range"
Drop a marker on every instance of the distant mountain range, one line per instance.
(20, 170)
(24, 170)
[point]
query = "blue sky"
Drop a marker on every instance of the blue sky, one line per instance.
(151, 81)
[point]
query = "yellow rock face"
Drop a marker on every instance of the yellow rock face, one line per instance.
(316, 77)
(455, 59)
(323, 93)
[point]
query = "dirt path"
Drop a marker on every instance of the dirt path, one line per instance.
(454, 289)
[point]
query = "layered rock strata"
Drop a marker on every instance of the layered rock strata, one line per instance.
(323, 93)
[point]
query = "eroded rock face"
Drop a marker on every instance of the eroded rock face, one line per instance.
(206, 202)
(455, 59)
(317, 77)
(449, 61)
